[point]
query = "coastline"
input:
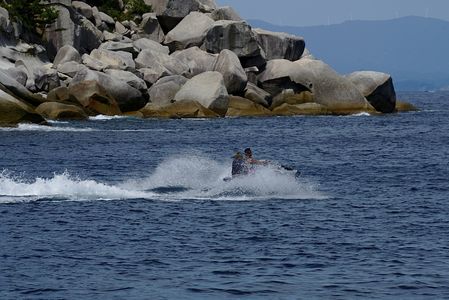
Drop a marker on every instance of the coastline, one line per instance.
(185, 60)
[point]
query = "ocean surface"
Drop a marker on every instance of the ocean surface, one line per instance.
(122, 208)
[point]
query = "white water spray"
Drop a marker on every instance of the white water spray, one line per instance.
(188, 177)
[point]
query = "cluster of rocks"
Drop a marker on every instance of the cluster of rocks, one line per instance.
(188, 58)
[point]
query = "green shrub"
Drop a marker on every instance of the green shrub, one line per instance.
(132, 8)
(36, 14)
(136, 7)
(32, 14)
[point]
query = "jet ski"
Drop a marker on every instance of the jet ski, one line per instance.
(278, 168)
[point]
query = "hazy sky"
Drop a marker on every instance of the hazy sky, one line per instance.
(321, 12)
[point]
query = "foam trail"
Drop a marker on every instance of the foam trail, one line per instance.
(190, 172)
(361, 114)
(34, 127)
(61, 186)
(107, 118)
(185, 177)
(198, 177)
(57, 122)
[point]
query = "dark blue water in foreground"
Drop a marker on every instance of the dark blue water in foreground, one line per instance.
(137, 209)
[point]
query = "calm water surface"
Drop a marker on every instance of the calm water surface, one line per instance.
(137, 209)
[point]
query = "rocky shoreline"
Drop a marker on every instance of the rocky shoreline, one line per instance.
(186, 59)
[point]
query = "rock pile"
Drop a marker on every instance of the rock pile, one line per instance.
(185, 59)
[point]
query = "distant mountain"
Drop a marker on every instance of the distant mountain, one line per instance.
(414, 50)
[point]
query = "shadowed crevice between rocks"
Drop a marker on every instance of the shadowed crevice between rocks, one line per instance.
(383, 98)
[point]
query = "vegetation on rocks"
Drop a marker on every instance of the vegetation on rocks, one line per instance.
(136, 7)
(131, 8)
(201, 67)
(32, 14)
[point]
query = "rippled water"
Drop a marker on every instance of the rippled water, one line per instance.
(120, 208)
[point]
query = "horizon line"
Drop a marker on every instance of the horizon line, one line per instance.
(350, 20)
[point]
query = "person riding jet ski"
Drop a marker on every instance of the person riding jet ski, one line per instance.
(251, 162)
(242, 166)
(239, 166)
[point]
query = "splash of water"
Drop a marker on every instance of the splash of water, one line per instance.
(34, 127)
(198, 177)
(107, 118)
(188, 177)
(61, 186)
(361, 114)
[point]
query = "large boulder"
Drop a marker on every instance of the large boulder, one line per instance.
(60, 94)
(151, 59)
(150, 28)
(329, 89)
(28, 57)
(119, 46)
(83, 8)
(127, 97)
(93, 63)
(291, 97)
(158, 6)
(164, 90)
(115, 37)
(378, 89)
(197, 60)
(241, 107)
(15, 89)
(181, 109)
(60, 111)
(65, 54)
(151, 75)
(277, 78)
(190, 32)
(237, 37)
(94, 98)
(30, 67)
(228, 64)
(114, 59)
(66, 3)
(14, 111)
(106, 19)
(70, 68)
(128, 77)
(208, 89)
(71, 28)
(225, 13)
(144, 43)
(177, 10)
(300, 109)
(257, 95)
(102, 21)
(5, 22)
(280, 45)
(121, 29)
(18, 73)
(12, 51)
(97, 19)
(46, 78)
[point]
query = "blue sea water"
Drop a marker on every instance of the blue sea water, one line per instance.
(121, 208)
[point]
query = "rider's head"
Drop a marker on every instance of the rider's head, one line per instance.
(248, 152)
(237, 155)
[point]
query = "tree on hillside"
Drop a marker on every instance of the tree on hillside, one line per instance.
(130, 9)
(32, 14)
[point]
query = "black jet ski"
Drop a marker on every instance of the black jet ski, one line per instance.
(282, 169)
